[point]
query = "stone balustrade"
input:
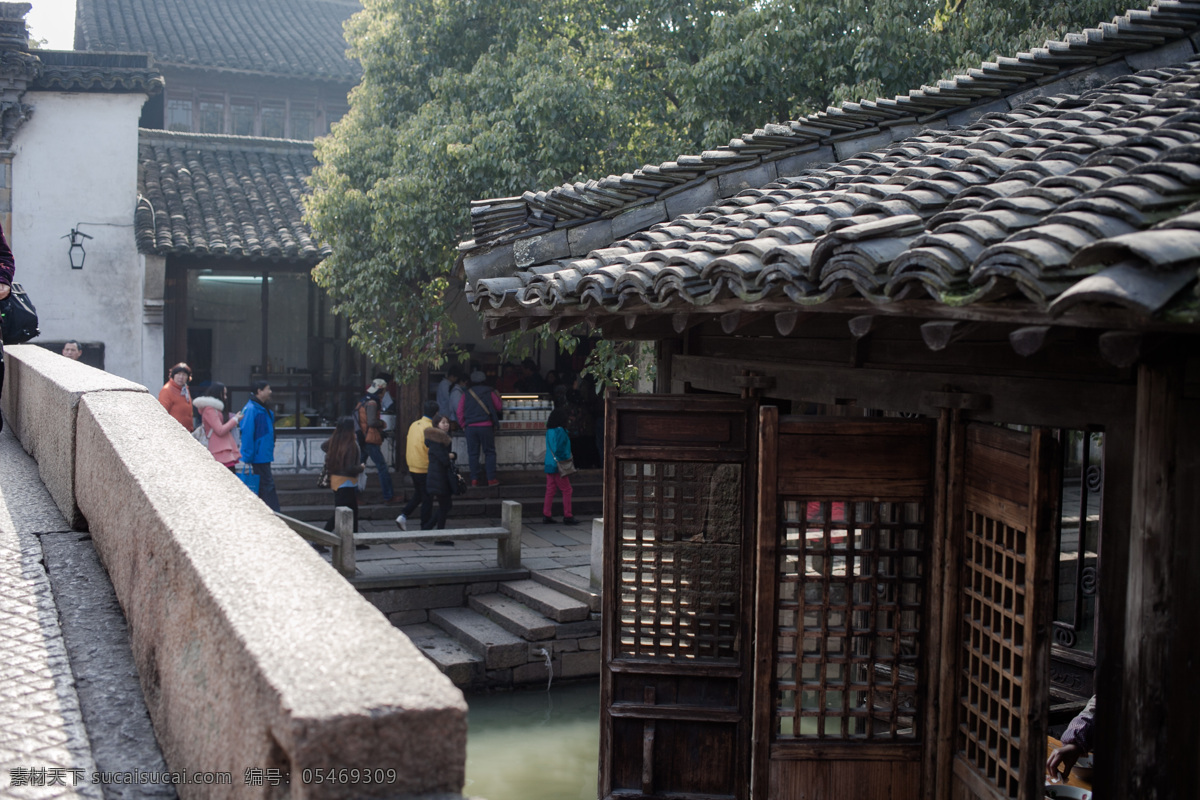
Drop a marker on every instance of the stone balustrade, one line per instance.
(253, 653)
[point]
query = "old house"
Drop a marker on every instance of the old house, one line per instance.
(223, 155)
(922, 470)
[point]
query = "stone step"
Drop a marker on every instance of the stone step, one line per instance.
(572, 584)
(499, 648)
(513, 616)
(457, 662)
(546, 601)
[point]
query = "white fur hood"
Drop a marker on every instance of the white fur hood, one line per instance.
(208, 402)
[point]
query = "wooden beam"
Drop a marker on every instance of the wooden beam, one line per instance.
(1028, 340)
(1026, 400)
(631, 321)
(679, 321)
(1121, 348)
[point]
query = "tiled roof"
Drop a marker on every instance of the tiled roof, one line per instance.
(1079, 197)
(228, 196)
(295, 38)
(70, 71)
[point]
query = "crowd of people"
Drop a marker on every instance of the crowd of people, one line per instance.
(465, 402)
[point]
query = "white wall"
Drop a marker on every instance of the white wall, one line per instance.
(75, 161)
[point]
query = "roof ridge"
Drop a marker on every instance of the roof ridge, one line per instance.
(157, 135)
(571, 204)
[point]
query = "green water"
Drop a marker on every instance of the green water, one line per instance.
(534, 745)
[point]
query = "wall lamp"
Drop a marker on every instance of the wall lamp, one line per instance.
(76, 253)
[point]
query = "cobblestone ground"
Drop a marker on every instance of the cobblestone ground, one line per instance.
(44, 747)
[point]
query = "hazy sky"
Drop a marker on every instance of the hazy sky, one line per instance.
(54, 21)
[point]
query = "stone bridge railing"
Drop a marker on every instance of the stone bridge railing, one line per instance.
(252, 652)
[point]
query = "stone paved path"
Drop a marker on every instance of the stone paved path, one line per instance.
(543, 547)
(44, 746)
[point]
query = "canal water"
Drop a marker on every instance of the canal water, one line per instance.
(534, 745)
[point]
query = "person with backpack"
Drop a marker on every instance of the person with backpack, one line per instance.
(369, 429)
(343, 462)
(479, 417)
(217, 424)
(416, 454)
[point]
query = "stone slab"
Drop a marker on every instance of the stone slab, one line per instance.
(546, 601)
(583, 663)
(41, 399)
(106, 678)
(499, 648)
(514, 617)
(417, 598)
(455, 661)
(231, 618)
(533, 672)
(41, 725)
(579, 630)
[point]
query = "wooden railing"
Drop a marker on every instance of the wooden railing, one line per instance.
(343, 539)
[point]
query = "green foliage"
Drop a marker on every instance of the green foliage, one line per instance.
(466, 99)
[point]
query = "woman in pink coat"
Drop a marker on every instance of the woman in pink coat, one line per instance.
(219, 424)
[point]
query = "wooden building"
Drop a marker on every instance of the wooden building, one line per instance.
(835, 539)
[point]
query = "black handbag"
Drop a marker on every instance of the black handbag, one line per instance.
(458, 484)
(18, 317)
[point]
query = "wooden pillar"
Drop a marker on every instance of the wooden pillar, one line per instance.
(1117, 502)
(1160, 652)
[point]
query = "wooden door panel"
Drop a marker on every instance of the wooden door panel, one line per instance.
(678, 580)
(843, 603)
(1010, 483)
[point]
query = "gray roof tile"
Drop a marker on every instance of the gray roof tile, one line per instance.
(297, 38)
(227, 196)
(1007, 206)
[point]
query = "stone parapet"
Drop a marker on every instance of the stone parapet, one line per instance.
(42, 391)
(253, 654)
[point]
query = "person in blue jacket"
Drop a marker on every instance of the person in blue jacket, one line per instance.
(258, 441)
(558, 448)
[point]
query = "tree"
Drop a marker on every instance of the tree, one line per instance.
(466, 99)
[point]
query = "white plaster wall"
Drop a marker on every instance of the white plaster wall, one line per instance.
(75, 160)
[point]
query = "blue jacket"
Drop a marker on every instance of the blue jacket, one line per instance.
(558, 446)
(258, 433)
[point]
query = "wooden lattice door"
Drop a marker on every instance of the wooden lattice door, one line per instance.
(678, 590)
(1004, 614)
(846, 533)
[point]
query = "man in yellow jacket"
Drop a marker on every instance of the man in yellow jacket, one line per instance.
(417, 456)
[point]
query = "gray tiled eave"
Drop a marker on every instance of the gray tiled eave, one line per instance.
(1106, 48)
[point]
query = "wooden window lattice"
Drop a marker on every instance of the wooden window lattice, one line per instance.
(851, 580)
(989, 736)
(680, 560)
